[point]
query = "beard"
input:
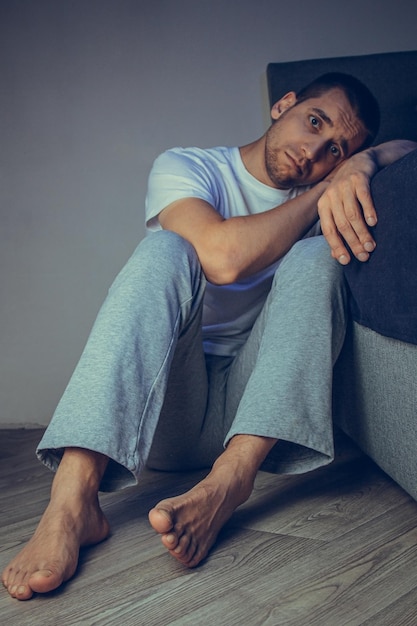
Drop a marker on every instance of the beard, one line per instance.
(279, 170)
(279, 177)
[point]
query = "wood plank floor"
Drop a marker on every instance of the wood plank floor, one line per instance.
(335, 547)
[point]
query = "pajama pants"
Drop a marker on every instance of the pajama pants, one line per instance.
(145, 394)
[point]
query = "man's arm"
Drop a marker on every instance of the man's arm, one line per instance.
(346, 208)
(230, 249)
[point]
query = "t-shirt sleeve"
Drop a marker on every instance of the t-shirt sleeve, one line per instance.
(176, 174)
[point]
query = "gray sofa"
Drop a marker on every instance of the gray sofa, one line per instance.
(375, 381)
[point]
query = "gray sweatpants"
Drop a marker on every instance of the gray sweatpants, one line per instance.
(144, 393)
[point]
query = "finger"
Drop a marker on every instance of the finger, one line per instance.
(368, 208)
(360, 211)
(342, 214)
(332, 236)
(355, 233)
(350, 221)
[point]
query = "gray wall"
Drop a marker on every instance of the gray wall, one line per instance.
(90, 92)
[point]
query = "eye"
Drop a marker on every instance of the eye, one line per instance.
(314, 121)
(335, 151)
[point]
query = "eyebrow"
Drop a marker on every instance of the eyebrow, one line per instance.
(327, 120)
(324, 116)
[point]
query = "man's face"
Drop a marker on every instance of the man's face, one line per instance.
(309, 139)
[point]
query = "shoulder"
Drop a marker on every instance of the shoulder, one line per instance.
(179, 160)
(187, 172)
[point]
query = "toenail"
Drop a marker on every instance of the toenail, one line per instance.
(170, 538)
(21, 589)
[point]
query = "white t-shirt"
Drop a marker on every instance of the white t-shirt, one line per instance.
(219, 177)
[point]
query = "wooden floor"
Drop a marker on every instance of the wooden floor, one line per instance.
(334, 547)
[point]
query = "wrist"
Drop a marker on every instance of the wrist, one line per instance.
(372, 157)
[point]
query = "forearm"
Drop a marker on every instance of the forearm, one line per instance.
(251, 243)
(230, 249)
(386, 153)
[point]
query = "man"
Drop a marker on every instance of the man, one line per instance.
(219, 330)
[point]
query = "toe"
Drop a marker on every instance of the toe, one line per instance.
(45, 580)
(182, 546)
(170, 541)
(160, 520)
(22, 585)
(186, 552)
(17, 585)
(21, 592)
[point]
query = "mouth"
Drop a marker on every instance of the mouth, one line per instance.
(295, 164)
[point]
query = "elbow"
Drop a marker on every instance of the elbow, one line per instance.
(222, 268)
(221, 277)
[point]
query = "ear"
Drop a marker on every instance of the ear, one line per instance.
(286, 102)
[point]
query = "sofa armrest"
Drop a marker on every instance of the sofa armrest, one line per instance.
(375, 401)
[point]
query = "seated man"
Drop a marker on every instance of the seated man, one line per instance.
(215, 345)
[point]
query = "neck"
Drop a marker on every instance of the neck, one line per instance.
(253, 158)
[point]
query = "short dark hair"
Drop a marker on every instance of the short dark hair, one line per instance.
(360, 98)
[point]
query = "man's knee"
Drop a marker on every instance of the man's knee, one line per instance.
(311, 255)
(162, 258)
(311, 246)
(166, 247)
(166, 254)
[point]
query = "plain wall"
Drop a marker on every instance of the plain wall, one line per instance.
(90, 92)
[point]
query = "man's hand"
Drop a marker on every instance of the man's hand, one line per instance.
(346, 209)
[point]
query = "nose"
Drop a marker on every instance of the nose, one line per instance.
(313, 148)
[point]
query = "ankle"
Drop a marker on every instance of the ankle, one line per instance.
(249, 451)
(79, 474)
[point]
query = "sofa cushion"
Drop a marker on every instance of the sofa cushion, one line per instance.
(384, 290)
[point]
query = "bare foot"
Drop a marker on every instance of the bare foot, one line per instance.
(51, 556)
(189, 523)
